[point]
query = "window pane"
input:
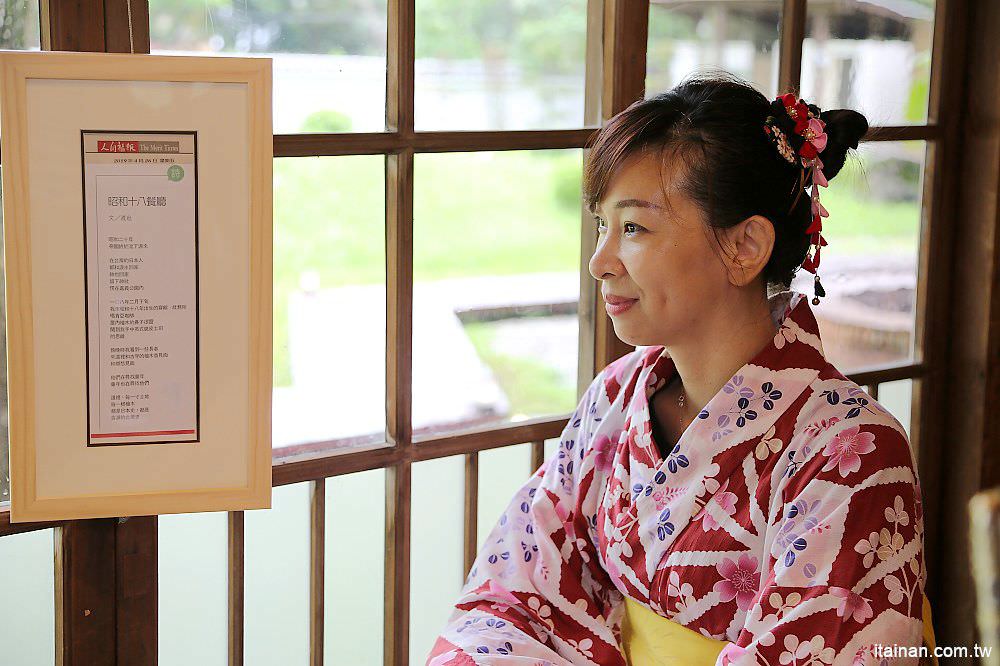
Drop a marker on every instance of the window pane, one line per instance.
(27, 594)
(328, 55)
(193, 588)
(496, 287)
(551, 446)
(355, 568)
(20, 26)
(869, 268)
(501, 472)
(437, 522)
(499, 65)
(871, 57)
(276, 620)
(741, 38)
(895, 396)
(329, 300)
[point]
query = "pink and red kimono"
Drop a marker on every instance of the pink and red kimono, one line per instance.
(786, 521)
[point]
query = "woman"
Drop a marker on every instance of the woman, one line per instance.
(724, 474)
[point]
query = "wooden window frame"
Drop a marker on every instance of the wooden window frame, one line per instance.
(106, 568)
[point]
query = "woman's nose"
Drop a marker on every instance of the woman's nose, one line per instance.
(604, 263)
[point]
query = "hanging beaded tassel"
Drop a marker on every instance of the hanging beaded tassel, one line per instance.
(815, 229)
(818, 291)
(810, 139)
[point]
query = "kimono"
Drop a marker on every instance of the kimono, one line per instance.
(786, 521)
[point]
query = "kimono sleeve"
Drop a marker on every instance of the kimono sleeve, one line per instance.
(845, 572)
(537, 593)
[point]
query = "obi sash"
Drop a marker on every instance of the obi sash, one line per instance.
(650, 639)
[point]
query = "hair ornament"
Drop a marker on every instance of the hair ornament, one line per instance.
(799, 135)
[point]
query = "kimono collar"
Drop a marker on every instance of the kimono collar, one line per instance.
(754, 397)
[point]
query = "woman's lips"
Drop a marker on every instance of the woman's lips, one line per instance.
(616, 306)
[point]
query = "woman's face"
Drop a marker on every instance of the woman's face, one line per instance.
(665, 258)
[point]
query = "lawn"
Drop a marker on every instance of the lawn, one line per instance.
(474, 214)
(533, 387)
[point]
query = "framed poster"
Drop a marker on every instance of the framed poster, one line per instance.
(140, 265)
(137, 237)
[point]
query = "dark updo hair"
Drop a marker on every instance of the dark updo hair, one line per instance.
(714, 123)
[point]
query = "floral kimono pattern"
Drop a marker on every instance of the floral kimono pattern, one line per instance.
(786, 520)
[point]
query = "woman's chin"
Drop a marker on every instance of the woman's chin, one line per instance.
(628, 334)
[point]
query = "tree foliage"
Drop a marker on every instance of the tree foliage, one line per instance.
(542, 36)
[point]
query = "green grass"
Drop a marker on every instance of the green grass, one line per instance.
(532, 388)
(860, 222)
(474, 214)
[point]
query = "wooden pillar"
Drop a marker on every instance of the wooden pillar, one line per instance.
(105, 569)
(112, 26)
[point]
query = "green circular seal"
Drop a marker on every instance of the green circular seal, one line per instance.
(175, 172)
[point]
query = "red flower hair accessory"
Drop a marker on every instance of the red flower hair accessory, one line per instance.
(799, 134)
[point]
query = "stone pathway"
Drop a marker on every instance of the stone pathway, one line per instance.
(337, 351)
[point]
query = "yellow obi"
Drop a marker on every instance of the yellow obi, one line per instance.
(649, 639)
(929, 634)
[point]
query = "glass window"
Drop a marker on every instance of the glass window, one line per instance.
(869, 268)
(496, 287)
(551, 446)
(871, 57)
(499, 65)
(895, 396)
(501, 472)
(329, 300)
(27, 600)
(741, 38)
(437, 520)
(20, 31)
(276, 617)
(328, 55)
(354, 573)
(193, 592)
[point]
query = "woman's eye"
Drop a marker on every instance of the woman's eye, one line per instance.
(601, 226)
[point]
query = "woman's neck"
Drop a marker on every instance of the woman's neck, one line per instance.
(711, 355)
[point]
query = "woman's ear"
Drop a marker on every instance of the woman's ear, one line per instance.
(748, 247)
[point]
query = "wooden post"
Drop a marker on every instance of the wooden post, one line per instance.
(105, 569)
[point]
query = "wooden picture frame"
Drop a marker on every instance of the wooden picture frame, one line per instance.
(196, 134)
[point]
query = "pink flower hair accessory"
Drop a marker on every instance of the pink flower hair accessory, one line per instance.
(799, 134)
